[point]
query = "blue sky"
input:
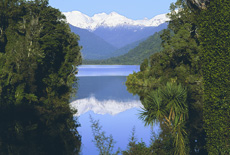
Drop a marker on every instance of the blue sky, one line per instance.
(133, 9)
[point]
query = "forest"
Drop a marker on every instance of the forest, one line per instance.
(38, 62)
(185, 86)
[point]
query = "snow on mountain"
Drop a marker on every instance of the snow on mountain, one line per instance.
(113, 19)
(111, 107)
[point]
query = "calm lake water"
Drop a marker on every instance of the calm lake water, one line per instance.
(102, 94)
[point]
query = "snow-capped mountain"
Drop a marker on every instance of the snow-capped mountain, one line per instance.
(103, 34)
(113, 19)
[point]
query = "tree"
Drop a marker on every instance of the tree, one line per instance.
(169, 106)
(104, 144)
(214, 29)
(38, 61)
(136, 148)
(178, 61)
(198, 4)
(144, 65)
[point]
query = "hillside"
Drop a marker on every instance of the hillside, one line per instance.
(123, 35)
(136, 55)
(93, 46)
(126, 49)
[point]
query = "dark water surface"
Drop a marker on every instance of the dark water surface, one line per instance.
(103, 95)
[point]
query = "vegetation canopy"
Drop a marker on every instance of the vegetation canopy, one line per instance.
(196, 55)
(38, 62)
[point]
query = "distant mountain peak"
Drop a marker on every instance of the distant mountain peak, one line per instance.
(113, 19)
(113, 13)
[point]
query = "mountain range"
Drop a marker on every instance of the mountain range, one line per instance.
(107, 35)
(136, 55)
(111, 20)
(94, 47)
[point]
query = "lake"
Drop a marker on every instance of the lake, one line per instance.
(103, 95)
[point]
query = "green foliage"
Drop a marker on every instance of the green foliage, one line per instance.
(168, 104)
(157, 144)
(135, 148)
(179, 62)
(144, 65)
(39, 56)
(215, 43)
(103, 143)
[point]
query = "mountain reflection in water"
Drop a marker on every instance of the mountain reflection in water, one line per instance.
(111, 107)
(103, 95)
